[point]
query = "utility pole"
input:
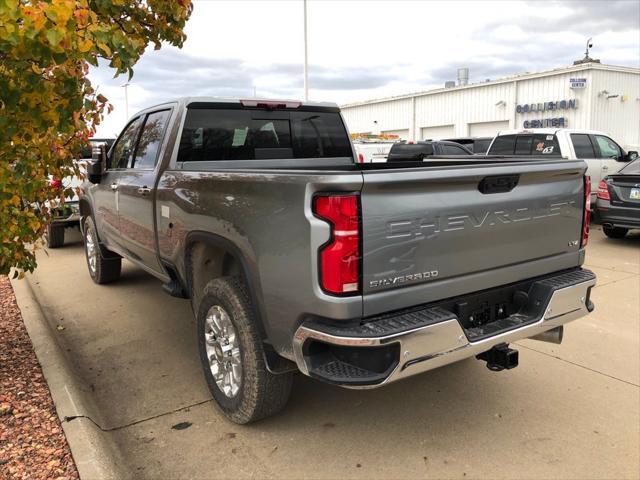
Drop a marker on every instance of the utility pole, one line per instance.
(126, 99)
(306, 68)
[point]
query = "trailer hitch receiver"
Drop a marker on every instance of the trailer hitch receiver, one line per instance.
(500, 357)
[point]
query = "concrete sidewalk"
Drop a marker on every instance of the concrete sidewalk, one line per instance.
(570, 410)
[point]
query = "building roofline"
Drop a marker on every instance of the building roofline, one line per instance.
(513, 78)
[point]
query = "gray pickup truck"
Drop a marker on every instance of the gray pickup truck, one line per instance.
(297, 258)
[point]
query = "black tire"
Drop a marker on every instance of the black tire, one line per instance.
(105, 270)
(615, 232)
(55, 236)
(260, 393)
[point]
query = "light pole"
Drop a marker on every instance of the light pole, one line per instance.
(126, 99)
(306, 73)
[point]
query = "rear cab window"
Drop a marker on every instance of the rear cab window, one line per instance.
(218, 134)
(503, 145)
(538, 144)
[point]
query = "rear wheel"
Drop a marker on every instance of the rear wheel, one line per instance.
(55, 236)
(615, 232)
(101, 269)
(232, 355)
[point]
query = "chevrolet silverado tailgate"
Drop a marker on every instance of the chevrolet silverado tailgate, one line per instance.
(438, 231)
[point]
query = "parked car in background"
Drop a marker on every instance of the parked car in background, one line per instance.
(373, 148)
(297, 258)
(618, 203)
(403, 152)
(478, 145)
(67, 214)
(602, 154)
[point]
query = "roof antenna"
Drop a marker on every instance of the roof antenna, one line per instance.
(587, 58)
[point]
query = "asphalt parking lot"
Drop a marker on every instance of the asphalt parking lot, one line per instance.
(570, 410)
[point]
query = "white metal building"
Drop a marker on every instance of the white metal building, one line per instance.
(585, 96)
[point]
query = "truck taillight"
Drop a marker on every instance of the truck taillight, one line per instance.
(603, 191)
(339, 258)
(360, 158)
(586, 217)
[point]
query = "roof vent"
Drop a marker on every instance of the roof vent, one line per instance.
(463, 76)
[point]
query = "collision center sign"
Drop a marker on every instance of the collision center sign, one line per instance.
(558, 122)
(578, 82)
(544, 106)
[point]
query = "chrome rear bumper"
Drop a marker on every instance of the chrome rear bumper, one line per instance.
(442, 340)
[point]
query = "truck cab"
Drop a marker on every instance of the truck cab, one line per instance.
(603, 155)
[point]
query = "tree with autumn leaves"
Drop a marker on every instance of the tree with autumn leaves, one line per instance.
(48, 107)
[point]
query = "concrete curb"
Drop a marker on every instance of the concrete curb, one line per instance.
(94, 453)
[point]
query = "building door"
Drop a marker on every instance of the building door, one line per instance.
(487, 129)
(437, 133)
(403, 134)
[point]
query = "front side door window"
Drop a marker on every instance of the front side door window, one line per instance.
(146, 154)
(608, 148)
(122, 152)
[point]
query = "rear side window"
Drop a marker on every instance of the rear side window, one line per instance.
(225, 134)
(150, 139)
(582, 145)
(503, 145)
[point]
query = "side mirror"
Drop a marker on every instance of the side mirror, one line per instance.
(630, 156)
(95, 167)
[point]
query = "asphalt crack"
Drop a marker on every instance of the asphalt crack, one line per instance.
(69, 419)
(581, 366)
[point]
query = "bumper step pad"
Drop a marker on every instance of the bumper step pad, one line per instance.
(337, 371)
(388, 324)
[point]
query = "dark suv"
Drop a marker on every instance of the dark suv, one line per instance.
(478, 145)
(408, 152)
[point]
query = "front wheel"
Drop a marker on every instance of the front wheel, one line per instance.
(232, 355)
(615, 232)
(101, 269)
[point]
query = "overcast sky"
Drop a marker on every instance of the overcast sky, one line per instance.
(360, 50)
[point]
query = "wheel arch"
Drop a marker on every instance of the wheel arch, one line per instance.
(220, 257)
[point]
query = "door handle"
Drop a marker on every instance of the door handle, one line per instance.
(114, 186)
(144, 190)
